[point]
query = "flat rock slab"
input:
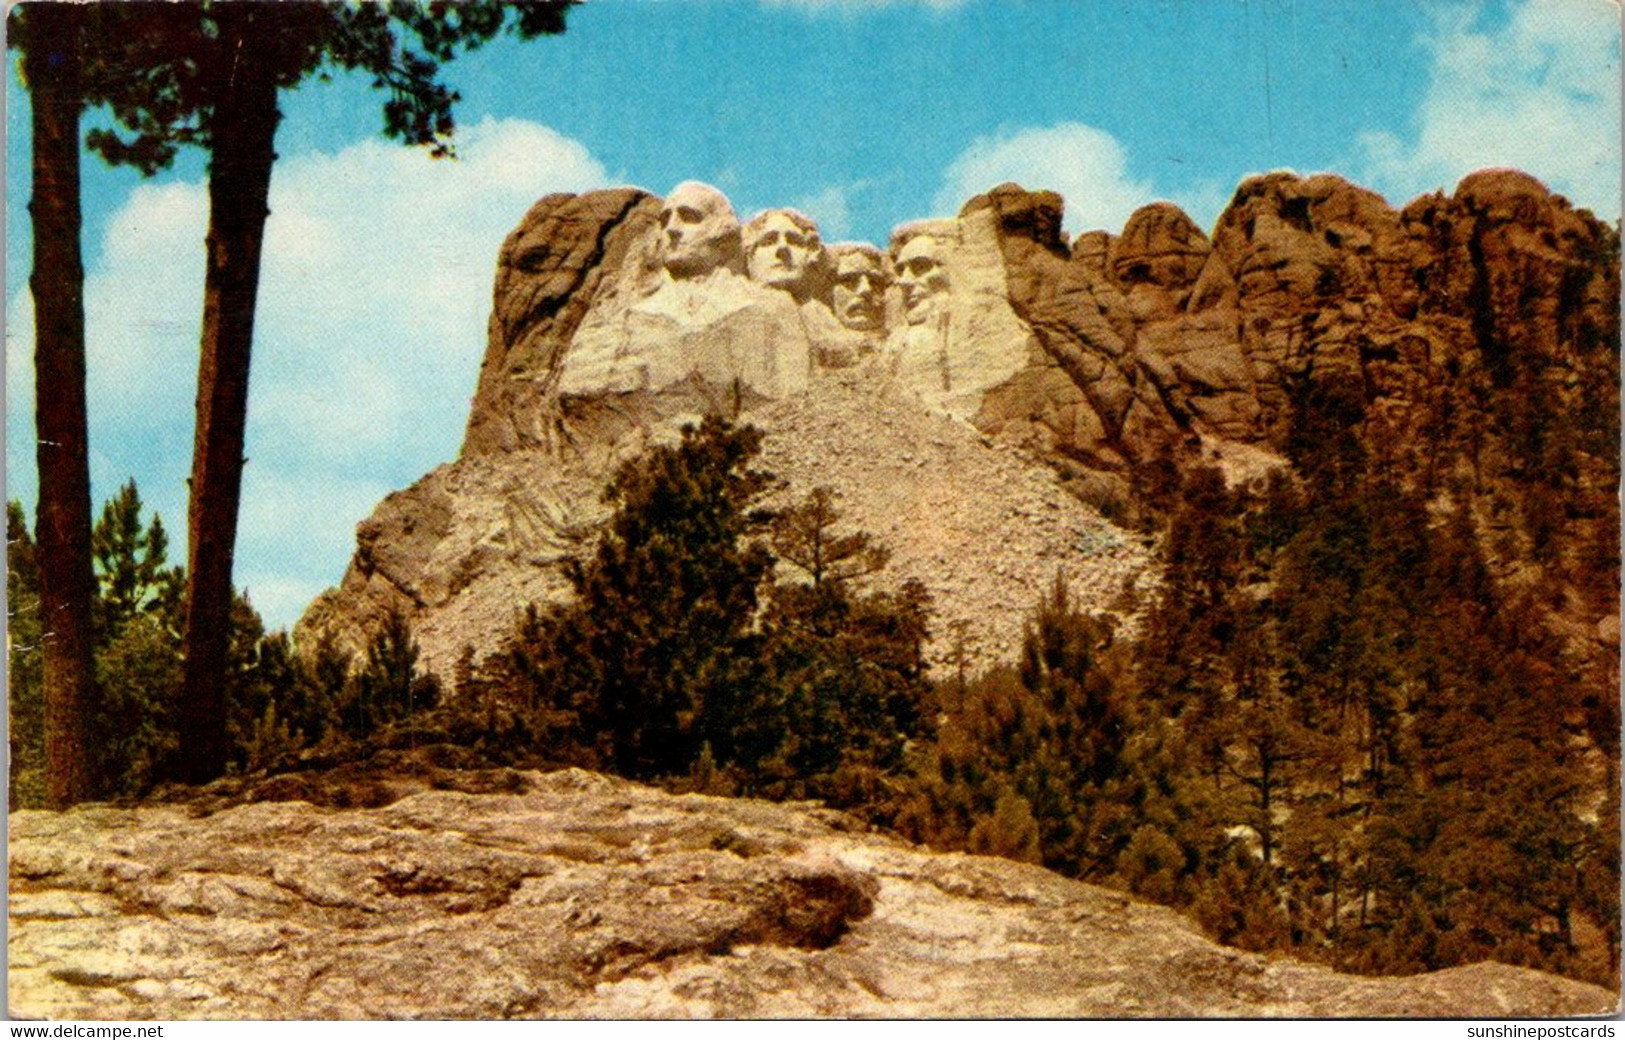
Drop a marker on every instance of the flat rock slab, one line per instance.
(571, 894)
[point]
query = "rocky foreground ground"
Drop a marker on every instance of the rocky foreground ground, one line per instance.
(425, 892)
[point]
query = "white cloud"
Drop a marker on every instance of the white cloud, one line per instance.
(143, 303)
(830, 208)
(1085, 164)
(296, 527)
(1541, 93)
(373, 300)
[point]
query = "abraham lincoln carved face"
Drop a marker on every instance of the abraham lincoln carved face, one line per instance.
(923, 277)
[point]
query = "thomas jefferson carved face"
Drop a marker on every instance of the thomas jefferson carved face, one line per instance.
(783, 250)
(699, 231)
(923, 278)
(859, 294)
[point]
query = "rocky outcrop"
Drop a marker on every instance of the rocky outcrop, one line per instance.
(548, 271)
(1479, 333)
(1462, 323)
(1087, 396)
(600, 345)
(982, 526)
(1303, 277)
(406, 889)
(1184, 303)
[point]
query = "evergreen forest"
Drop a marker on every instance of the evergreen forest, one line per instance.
(1330, 731)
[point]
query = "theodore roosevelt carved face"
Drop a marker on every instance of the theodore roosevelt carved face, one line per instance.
(861, 278)
(783, 250)
(699, 232)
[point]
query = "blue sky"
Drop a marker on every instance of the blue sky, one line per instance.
(863, 113)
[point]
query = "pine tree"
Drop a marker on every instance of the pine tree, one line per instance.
(654, 637)
(804, 535)
(53, 39)
(1050, 734)
(848, 692)
(206, 74)
(137, 612)
(389, 687)
(1011, 831)
(25, 693)
(132, 570)
(680, 645)
(138, 672)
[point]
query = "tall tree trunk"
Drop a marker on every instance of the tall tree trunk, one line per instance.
(243, 129)
(67, 583)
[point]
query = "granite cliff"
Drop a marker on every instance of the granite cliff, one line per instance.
(987, 397)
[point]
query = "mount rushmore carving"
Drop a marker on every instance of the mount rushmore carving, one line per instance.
(765, 304)
(976, 391)
(980, 317)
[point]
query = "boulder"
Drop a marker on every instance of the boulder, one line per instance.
(408, 890)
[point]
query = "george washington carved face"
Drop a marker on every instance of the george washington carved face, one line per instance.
(699, 232)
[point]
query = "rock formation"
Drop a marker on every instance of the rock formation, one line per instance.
(974, 396)
(617, 317)
(959, 338)
(411, 890)
(1040, 364)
